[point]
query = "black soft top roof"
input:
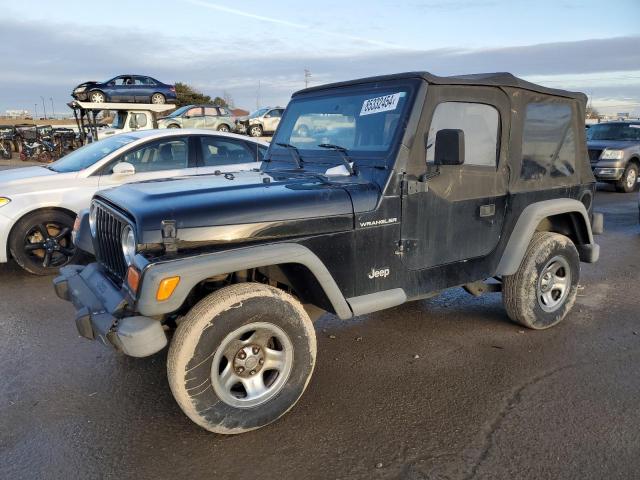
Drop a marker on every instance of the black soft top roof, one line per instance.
(498, 79)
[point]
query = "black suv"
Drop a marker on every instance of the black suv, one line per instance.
(406, 185)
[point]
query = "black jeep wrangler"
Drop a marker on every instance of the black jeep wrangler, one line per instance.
(398, 187)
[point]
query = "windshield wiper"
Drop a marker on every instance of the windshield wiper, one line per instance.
(343, 154)
(295, 153)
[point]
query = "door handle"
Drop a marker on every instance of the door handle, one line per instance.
(487, 210)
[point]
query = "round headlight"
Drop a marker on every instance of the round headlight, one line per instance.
(92, 220)
(128, 239)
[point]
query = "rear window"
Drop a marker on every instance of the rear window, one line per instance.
(548, 142)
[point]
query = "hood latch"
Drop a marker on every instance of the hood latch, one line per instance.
(170, 236)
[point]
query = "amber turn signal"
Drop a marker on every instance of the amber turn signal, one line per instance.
(133, 278)
(166, 288)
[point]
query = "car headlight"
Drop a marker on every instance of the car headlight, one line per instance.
(612, 155)
(128, 239)
(79, 89)
(92, 220)
(4, 201)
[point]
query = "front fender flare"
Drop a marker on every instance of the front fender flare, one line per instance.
(193, 270)
(526, 226)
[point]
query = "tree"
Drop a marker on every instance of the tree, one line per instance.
(220, 102)
(592, 112)
(188, 95)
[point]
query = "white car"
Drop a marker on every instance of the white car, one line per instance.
(38, 205)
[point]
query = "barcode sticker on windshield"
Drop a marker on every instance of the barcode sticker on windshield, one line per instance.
(380, 104)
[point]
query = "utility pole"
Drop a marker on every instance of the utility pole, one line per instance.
(307, 76)
(53, 113)
(36, 115)
(44, 107)
(258, 97)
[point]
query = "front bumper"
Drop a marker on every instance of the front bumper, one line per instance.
(608, 173)
(101, 312)
(5, 228)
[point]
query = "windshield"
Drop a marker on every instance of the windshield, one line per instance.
(89, 154)
(179, 111)
(364, 121)
(118, 120)
(614, 131)
(258, 113)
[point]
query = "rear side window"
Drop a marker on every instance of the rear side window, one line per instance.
(210, 112)
(222, 151)
(169, 154)
(548, 141)
(480, 124)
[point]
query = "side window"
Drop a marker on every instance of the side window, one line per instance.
(194, 112)
(169, 154)
(480, 124)
(548, 141)
(138, 120)
(223, 111)
(274, 114)
(222, 151)
(210, 112)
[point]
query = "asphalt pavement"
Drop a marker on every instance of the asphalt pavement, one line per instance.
(445, 388)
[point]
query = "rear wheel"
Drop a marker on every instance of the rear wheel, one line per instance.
(241, 358)
(224, 128)
(6, 150)
(629, 180)
(173, 125)
(158, 99)
(41, 242)
(97, 97)
(544, 288)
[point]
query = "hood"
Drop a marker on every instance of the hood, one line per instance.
(87, 84)
(25, 175)
(612, 144)
(238, 206)
(24, 182)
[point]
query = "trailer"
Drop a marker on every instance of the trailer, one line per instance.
(128, 117)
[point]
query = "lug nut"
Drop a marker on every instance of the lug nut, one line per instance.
(242, 355)
(255, 350)
(240, 369)
(252, 372)
(261, 361)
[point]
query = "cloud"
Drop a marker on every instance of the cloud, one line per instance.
(51, 60)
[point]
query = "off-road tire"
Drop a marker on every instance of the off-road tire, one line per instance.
(629, 180)
(520, 290)
(255, 131)
(201, 333)
(22, 227)
(159, 99)
(93, 97)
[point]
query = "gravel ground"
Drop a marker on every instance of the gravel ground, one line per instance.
(445, 388)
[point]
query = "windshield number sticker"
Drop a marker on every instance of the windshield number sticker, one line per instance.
(380, 104)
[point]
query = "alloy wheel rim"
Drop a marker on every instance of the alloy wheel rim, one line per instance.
(554, 284)
(157, 99)
(631, 178)
(49, 244)
(252, 365)
(97, 98)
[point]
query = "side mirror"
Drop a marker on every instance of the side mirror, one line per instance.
(449, 148)
(124, 169)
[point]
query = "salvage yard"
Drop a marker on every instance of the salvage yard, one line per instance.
(441, 388)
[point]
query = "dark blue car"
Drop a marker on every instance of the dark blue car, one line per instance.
(126, 88)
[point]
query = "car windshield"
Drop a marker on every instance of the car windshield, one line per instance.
(614, 131)
(258, 113)
(179, 111)
(89, 154)
(118, 120)
(363, 121)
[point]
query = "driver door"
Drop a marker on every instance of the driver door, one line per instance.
(193, 118)
(165, 158)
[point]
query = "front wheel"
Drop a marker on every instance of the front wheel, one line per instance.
(158, 99)
(41, 242)
(97, 97)
(224, 128)
(241, 358)
(544, 288)
(255, 131)
(629, 179)
(5, 151)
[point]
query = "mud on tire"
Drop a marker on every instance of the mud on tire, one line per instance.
(534, 296)
(226, 330)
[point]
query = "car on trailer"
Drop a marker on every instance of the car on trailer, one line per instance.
(415, 183)
(126, 88)
(38, 205)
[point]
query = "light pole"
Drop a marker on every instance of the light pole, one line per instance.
(44, 108)
(53, 113)
(36, 115)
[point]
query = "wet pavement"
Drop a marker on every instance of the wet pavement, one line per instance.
(445, 388)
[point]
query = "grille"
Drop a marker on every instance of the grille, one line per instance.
(594, 155)
(109, 227)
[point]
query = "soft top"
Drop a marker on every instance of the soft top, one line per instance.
(498, 79)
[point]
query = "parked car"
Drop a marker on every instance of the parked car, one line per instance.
(38, 204)
(614, 151)
(131, 119)
(199, 116)
(126, 88)
(260, 122)
(478, 180)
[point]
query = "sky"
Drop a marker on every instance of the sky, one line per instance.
(256, 52)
